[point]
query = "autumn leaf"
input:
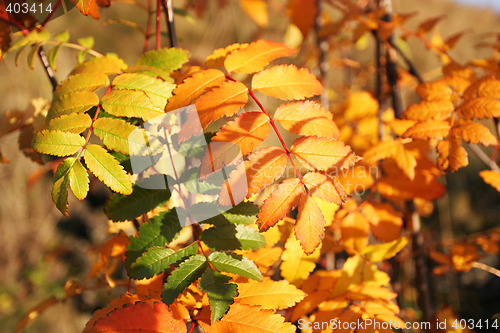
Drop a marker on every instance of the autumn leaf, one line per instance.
(385, 221)
(297, 265)
(319, 153)
(309, 228)
(257, 10)
(224, 100)
(287, 82)
(87, 7)
(193, 87)
(256, 56)
(354, 228)
(307, 118)
(474, 133)
(263, 167)
(303, 14)
(324, 187)
(216, 59)
(428, 129)
(437, 110)
(434, 91)
(492, 178)
(249, 319)
(480, 108)
(57, 142)
(141, 316)
(247, 131)
(281, 201)
(451, 155)
(269, 294)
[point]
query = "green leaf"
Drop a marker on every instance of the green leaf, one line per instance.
(140, 201)
(232, 237)
(107, 65)
(114, 133)
(235, 264)
(33, 37)
(74, 123)
(79, 180)
(243, 213)
(62, 37)
(158, 231)
(57, 142)
(187, 272)
(221, 294)
(32, 55)
(82, 82)
(105, 167)
(60, 187)
(166, 59)
(151, 71)
(156, 259)
(131, 104)
(156, 89)
(86, 42)
(74, 102)
(53, 55)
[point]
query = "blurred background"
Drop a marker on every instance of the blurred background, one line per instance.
(40, 249)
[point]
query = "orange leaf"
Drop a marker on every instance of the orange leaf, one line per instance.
(382, 150)
(434, 91)
(287, 82)
(310, 226)
(224, 100)
(193, 87)
(264, 167)
(257, 10)
(480, 108)
(306, 118)
(323, 153)
(265, 257)
(216, 59)
(234, 188)
(269, 294)
(429, 129)
(256, 56)
(405, 161)
(483, 88)
(357, 179)
(452, 156)
(303, 14)
(249, 319)
(474, 133)
(324, 187)
(140, 317)
(354, 227)
(247, 131)
(281, 201)
(87, 7)
(438, 110)
(218, 155)
(387, 224)
(491, 177)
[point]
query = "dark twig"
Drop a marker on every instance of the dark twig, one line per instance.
(148, 28)
(168, 7)
(48, 69)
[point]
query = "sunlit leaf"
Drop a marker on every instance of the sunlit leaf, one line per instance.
(220, 293)
(114, 133)
(106, 65)
(74, 123)
(235, 264)
(57, 142)
(309, 227)
(263, 167)
(130, 104)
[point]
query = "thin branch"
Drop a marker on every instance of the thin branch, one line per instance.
(484, 267)
(412, 69)
(484, 158)
(48, 69)
(168, 7)
(47, 19)
(147, 35)
(158, 20)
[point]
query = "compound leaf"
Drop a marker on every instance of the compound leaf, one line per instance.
(74, 123)
(310, 226)
(232, 237)
(235, 264)
(220, 293)
(130, 104)
(114, 133)
(57, 143)
(156, 89)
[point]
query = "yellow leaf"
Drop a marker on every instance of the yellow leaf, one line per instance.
(287, 82)
(452, 156)
(491, 177)
(319, 153)
(324, 187)
(474, 133)
(247, 131)
(306, 118)
(303, 14)
(281, 201)
(310, 226)
(256, 56)
(296, 265)
(264, 167)
(193, 87)
(429, 129)
(249, 319)
(257, 10)
(269, 294)
(224, 100)
(265, 257)
(216, 59)
(405, 161)
(380, 252)
(382, 150)
(434, 91)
